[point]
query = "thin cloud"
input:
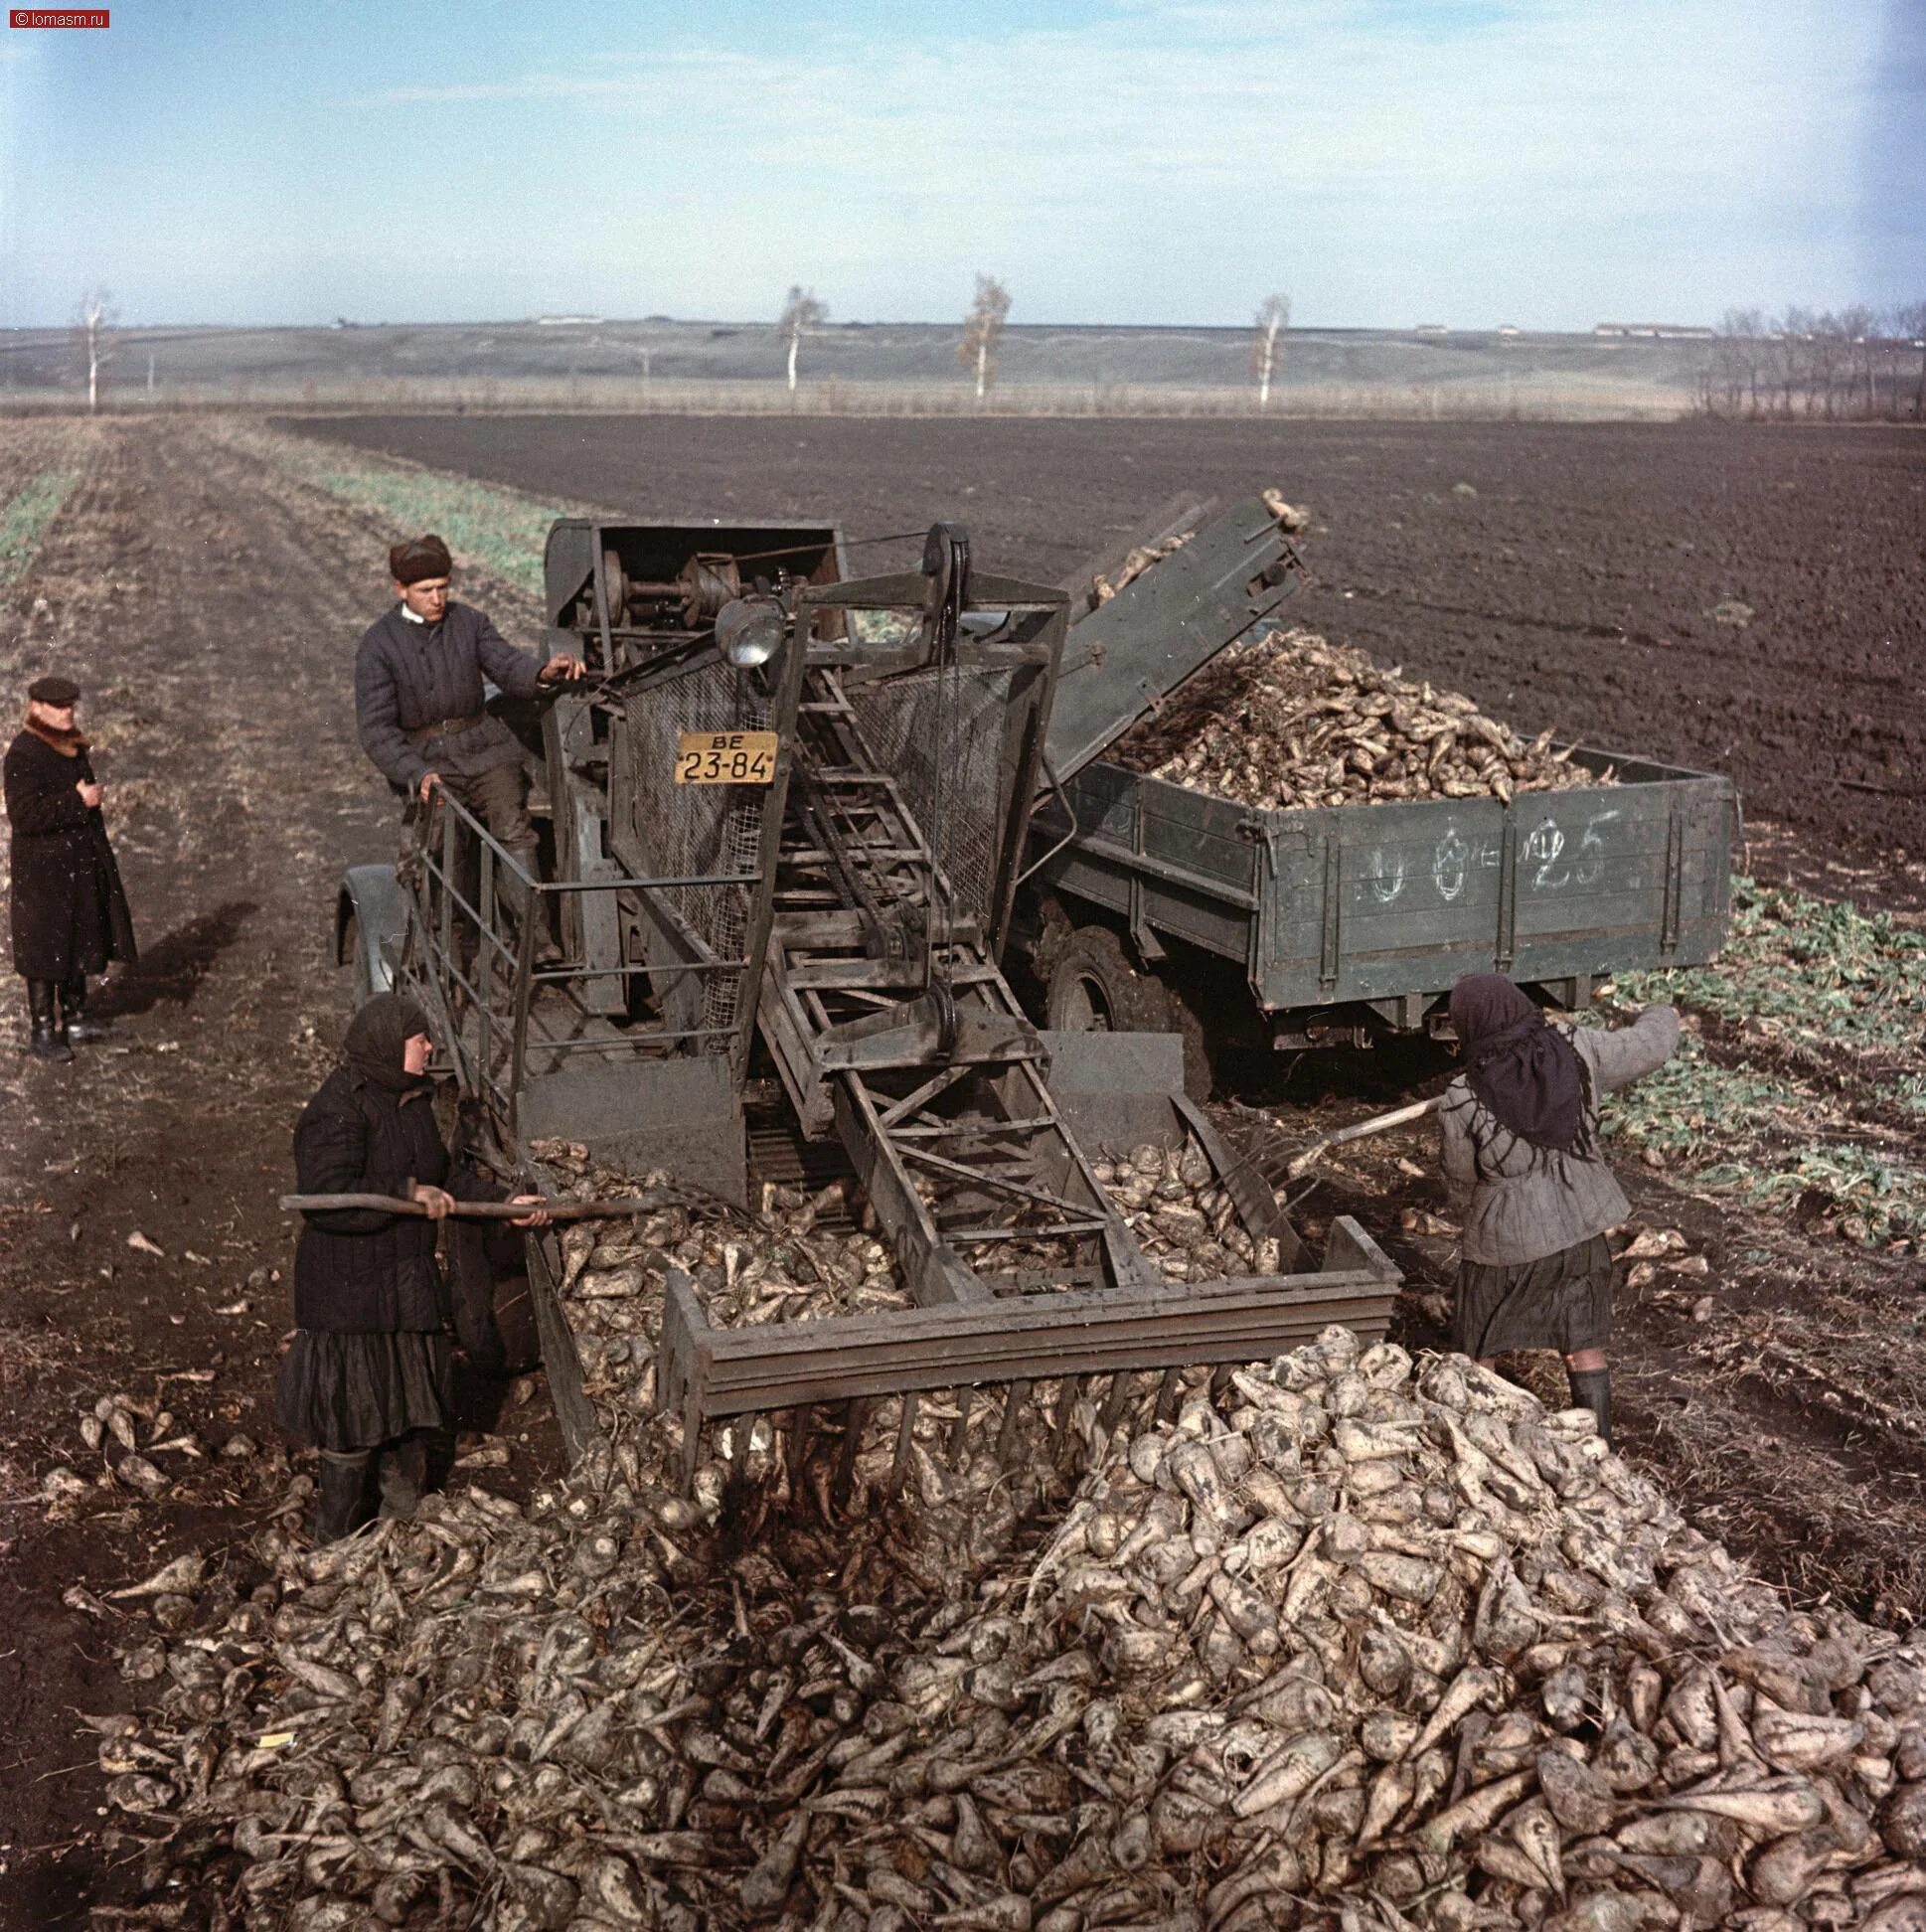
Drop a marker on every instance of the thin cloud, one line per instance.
(549, 86)
(1548, 163)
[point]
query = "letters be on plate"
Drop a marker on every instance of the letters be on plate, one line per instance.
(725, 757)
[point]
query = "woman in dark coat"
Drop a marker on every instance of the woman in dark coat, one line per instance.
(369, 1379)
(1520, 1153)
(70, 914)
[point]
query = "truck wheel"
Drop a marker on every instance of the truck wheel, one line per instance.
(362, 988)
(1093, 988)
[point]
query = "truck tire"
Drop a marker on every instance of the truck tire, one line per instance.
(1093, 988)
(361, 988)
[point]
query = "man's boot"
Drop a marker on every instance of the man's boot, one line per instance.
(341, 1505)
(73, 1013)
(1591, 1388)
(46, 1041)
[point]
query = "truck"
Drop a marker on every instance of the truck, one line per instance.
(1154, 905)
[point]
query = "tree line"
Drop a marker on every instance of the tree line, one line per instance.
(803, 312)
(1850, 363)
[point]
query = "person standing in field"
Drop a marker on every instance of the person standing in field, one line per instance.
(369, 1379)
(70, 914)
(419, 703)
(1520, 1128)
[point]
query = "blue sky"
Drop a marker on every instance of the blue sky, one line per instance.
(1385, 162)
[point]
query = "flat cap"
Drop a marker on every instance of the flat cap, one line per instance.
(53, 690)
(420, 558)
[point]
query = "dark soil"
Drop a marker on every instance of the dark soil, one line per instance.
(1561, 574)
(209, 608)
(180, 586)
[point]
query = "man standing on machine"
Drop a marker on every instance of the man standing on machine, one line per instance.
(419, 705)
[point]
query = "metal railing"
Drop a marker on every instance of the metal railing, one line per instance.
(474, 959)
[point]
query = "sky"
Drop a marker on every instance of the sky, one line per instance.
(1547, 163)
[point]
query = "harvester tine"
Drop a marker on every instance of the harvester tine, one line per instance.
(1122, 1386)
(960, 1428)
(1068, 1388)
(692, 1434)
(798, 1433)
(1166, 1397)
(905, 1434)
(855, 1414)
(741, 1439)
(1013, 1404)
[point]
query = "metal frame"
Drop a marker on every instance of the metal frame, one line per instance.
(475, 1021)
(1280, 893)
(875, 980)
(786, 1370)
(889, 1017)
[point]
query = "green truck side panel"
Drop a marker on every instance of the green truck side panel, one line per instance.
(1387, 901)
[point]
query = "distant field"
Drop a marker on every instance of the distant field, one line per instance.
(863, 370)
(1736, 597)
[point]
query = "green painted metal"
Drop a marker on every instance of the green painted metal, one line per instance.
(1391, 902)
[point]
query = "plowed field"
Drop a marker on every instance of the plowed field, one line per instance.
(1733, 598)
(206, 585)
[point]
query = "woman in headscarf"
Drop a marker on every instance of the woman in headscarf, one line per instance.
(68, 914)
(1520, 1154)
(369, 1379)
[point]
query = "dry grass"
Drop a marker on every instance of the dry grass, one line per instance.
(1466, 399)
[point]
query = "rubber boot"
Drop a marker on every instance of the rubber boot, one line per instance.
(402, 1472)
(48, 1040)
(1591, 1388)
(74, 1014)
(341, 1505)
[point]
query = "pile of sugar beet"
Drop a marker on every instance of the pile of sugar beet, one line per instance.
(1287, 719)
(1349, 1643)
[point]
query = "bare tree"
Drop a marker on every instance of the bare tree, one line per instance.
(1909, 325)
(1857, 330)
(801, 312)
(981, 329)
(1740, 357)
(93, 324)
(1267, 345)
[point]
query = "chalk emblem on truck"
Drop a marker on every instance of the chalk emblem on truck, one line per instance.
(1547, 846)
(1448, 867)
(1386, 880)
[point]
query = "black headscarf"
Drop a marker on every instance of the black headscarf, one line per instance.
(1527, 1074)
(377, 1037)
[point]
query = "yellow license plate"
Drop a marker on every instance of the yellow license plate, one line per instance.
(725, 757)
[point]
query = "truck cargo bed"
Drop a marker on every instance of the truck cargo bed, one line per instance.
(1387, 905)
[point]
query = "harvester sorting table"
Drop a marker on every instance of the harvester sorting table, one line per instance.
(789, 813)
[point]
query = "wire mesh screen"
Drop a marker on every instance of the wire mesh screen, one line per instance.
(693, 831)
(942, 735)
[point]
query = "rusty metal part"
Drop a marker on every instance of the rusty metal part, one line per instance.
(711, 1374)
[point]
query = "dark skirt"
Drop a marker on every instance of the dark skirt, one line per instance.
(1562, 1302)
(347, 1392)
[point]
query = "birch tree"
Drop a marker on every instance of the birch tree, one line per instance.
(94, 329)
(800, 313)
(1267, 344)
(981, 329)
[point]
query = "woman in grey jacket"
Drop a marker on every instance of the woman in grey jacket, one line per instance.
(1520, 1154)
